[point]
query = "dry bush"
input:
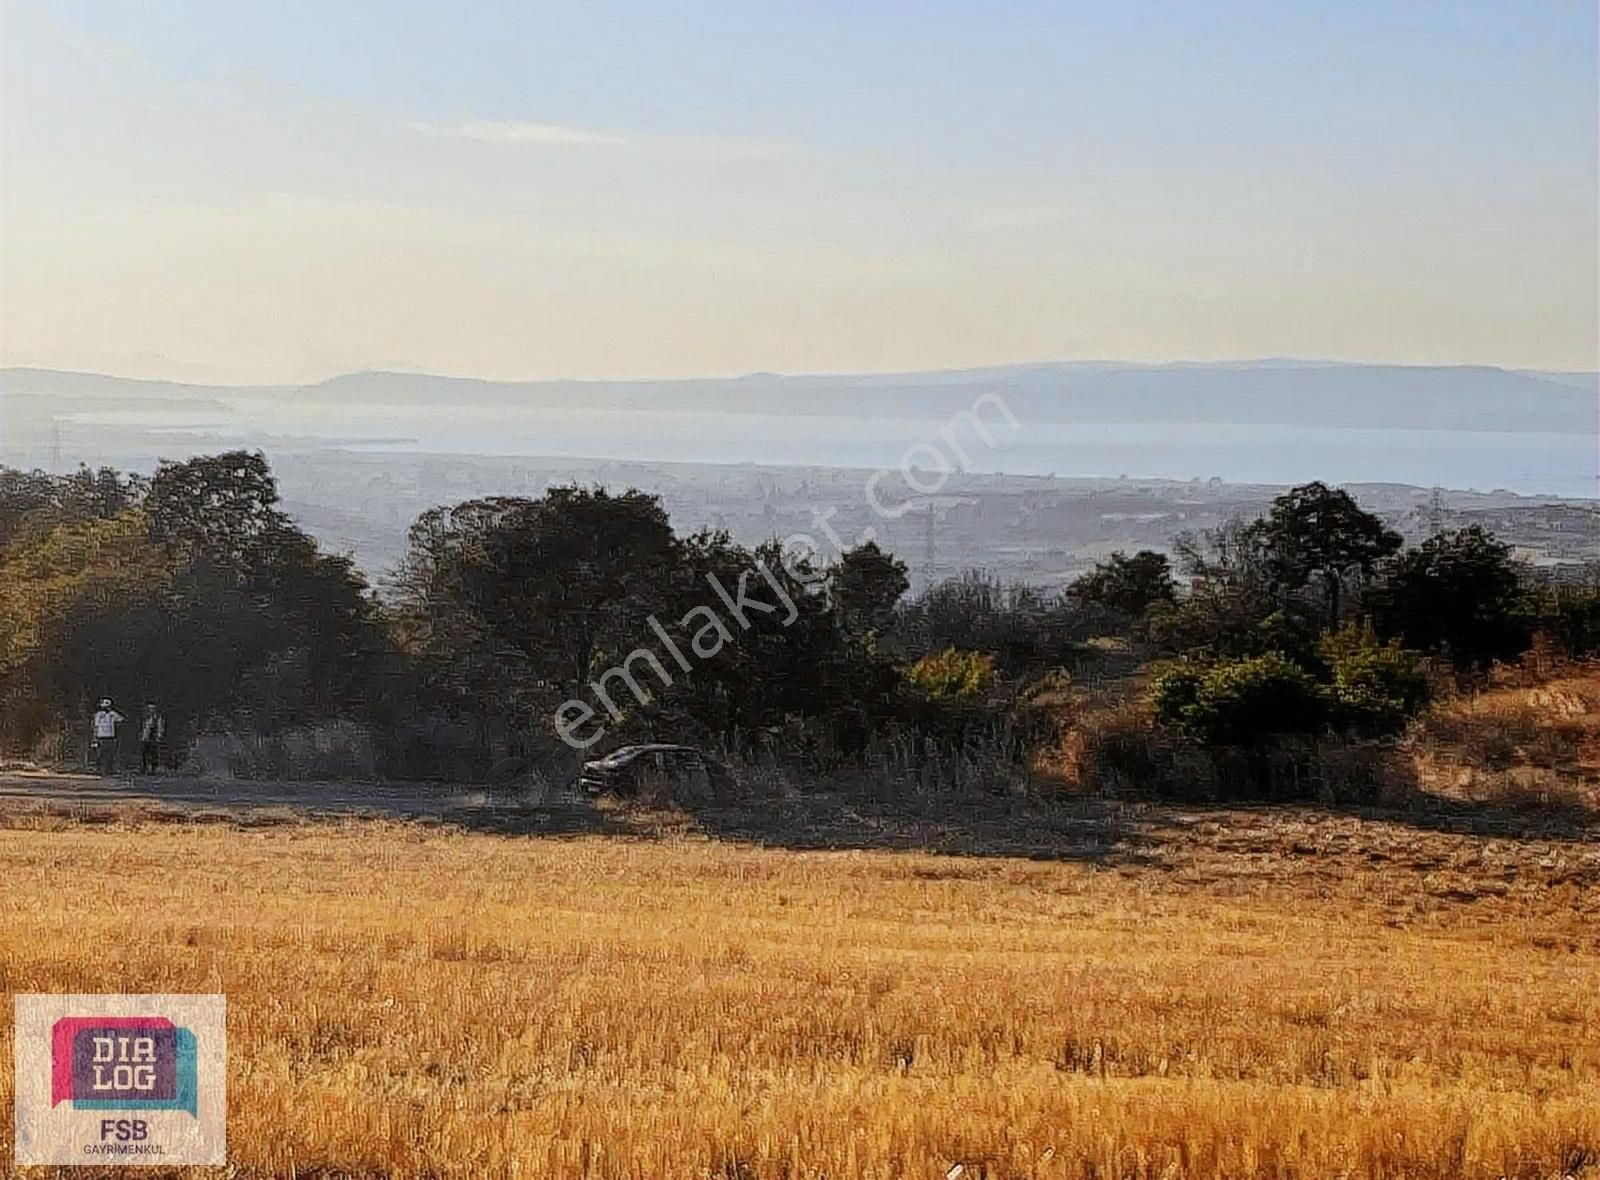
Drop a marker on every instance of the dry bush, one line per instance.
(901, 767)
(1528, 738)
(1120, 751)
(1545, 723)
(335, 750)
(1123, 752)
(910, 763)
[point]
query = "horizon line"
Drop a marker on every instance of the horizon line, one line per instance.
(829, 374)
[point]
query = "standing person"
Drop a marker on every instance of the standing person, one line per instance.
(152, 732)
(106, 720)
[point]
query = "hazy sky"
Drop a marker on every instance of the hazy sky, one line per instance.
(281, 191)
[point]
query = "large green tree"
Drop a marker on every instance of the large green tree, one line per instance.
(35, 500)
(71, 599)
(220, 506)
(1317, 536)
(1457, 593)
(513, 605)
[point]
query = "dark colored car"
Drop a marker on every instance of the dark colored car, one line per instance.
(680, 771)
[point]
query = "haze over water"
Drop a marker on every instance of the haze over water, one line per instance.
(1530, 462)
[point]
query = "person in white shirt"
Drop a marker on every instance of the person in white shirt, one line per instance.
(106, 720)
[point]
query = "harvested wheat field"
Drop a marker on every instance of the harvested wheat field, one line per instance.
(1235, 994)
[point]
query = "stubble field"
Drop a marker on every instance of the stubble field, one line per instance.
(1237, 994)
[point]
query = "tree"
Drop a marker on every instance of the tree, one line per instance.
(1128, 585)
(217, 606)
(1317, 534)
(22, 495)
(1568, 611)
(865, 585)
(36, 501)
(274, 631)
(513, 605)
(97, 494)
(68, 598)
(315, 633)
(1022, 626)
(1232, 607)
(218, 506)
(1456, 593)
(570, 579)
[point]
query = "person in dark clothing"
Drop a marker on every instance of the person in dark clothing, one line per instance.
(152, 732)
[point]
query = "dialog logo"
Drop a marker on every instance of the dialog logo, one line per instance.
(120, 1079)
(123, 1063)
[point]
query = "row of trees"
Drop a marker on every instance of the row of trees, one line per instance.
(510, 607)
(193, 588)
(1315, 618)
(1317, 560)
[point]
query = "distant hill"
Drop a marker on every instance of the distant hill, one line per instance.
(1276, 392)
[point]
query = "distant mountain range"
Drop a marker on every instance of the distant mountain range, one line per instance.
(1277, 392)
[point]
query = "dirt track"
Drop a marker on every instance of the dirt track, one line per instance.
(199, 795)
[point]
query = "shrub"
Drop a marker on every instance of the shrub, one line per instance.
(1242, 702)
(1174, 691)
(1221, 618)
(1376, 688)
(1123, 752)
(957, 701)
(952, 677)
(1569, 614)
(1024, 627)
(1128, 585)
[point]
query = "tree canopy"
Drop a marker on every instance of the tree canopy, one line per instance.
(1317, 535)
(1457, 593)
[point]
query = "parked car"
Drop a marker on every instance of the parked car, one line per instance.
(680, 771)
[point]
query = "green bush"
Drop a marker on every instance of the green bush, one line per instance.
(1242, 702)
(1361, 686)
(952, 677)
(1121, 753)
(1376, 688)
(1456, 594)
(1568, 614)
(1173, 692)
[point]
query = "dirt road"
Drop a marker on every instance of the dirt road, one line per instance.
(200, 795)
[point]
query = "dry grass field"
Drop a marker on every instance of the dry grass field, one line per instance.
(1201, 994)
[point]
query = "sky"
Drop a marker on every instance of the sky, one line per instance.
(284, 191)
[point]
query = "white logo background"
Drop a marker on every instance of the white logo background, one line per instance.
(62, 1135)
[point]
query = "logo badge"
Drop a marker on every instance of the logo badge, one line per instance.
(120, 1079)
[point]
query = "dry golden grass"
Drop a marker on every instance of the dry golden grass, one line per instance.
(1253, 994)
(1528, 738)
